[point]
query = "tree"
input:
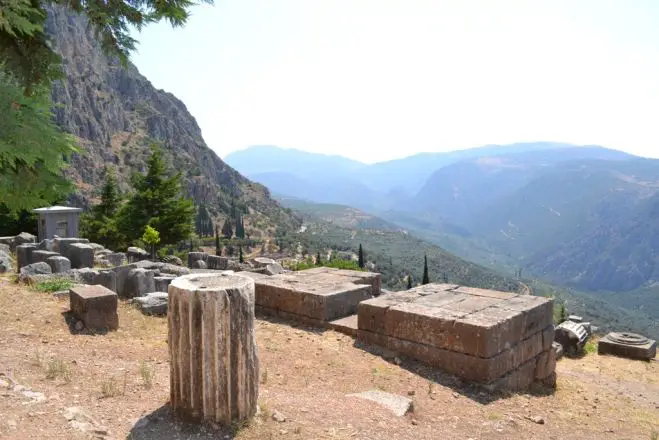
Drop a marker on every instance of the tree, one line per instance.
(203, 222)
(240, 254)
(361, 256)
(563, 313)
(240, 227)
(100, 224)
(227, 232)
(26, 51)
(319, 262)
(151, 237)
(33, 151)
(218, 244)
(426, 279)
(157, 201)
(409, 282)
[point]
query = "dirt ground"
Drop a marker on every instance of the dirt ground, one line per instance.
(56, 384)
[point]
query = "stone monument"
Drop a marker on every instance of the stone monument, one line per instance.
(58, 220)
(214, 365)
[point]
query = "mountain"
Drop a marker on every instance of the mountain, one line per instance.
(116, 113)
(374, 187)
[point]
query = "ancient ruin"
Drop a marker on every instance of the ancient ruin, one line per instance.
(95, 307)
(500, 339)
(629, 345)
(214, 366)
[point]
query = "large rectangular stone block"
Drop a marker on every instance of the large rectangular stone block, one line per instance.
(323, 302)
(81, 255)
(24, 254)
(95, 306)
(40, 255)
(629, 345)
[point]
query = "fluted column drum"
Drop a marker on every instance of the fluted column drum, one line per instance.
(214, 365)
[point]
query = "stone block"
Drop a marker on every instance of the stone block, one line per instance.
(81, 255)
(162, 283)
(199, 264)
(59, 264)
(46, 245)
(62, 245)
(5, 248)
(322, 301)
(105, 278)
(116, 258)
(217, 262)
(139, 282)
(154, 303)
(545, 364)
(5, 262)
(628, 345)
(262, 262)
(95, 306)
(36, 269)
(38, 255)
(24, 254)
(398, 405)
(196, 256)
(273, 269)
(135, 254)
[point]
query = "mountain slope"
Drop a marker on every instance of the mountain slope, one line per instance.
(116, 114)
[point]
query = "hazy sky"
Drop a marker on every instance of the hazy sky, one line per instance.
(378, 79)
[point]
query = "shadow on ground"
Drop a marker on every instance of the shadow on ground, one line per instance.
(161, 424)
(472, 391)
(72, 321)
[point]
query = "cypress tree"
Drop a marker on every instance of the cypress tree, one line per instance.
(426, 279)
(240, 254)
(361, 256)
(227, 232)
(218, 245)
(563, 315)
(318, 260)
(409, 282)
(100, 225)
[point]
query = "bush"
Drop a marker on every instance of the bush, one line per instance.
(54, 285)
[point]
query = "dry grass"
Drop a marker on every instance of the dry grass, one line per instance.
(57, 368)
(305, 375)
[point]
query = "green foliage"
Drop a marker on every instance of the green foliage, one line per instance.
(54, 285)
(151, 236)
(240, 254)
(409, 282)
(157, 201)
(218, 243)
(240, 227)
(319, 261)
(361, 256)
(563, 315)
(33, 151)
(13, 223)
(227, 231)
(590, 347)
(426, 278)
(26, 50)
(203, 222)
(100, 225)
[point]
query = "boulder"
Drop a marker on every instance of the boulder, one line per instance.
(199, 264)
(24, 254)
(97, 247)
(172, 259)
(36, 268)
(81, 255)
(263, 262)
(274, 269)
(106, 278)
(5, 262)
(8, 241)
(24, 238)
(154, 303)
(59, 264)
(102, 252)
(5, 248)
(135, 254)
(38, 255)
(196, 256)
(139, 282)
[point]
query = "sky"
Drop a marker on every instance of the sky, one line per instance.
(376, 80)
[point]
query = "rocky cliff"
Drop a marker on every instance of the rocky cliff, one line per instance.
(116, 114)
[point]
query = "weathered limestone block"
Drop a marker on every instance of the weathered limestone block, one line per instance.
(46, 245)
(274, 269)
(196, 256)
(106, 278)
(217, 262)
(39, 255)
(62, 245)
(135, 254)
(95, 306)
(116, 258)
(24, 254)
(199, 264)
(81, 255)
(36, 268)
(5, 262)
(5, 248)
(24, 238)
(214, 365)
(139, 282)
(154, 303)
(262, 262)
(629, 345)
(162, 283)
(59, 264)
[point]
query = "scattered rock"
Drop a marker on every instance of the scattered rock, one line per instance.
(58, 264)
(278, 417)
(36, 269)
(5, 262)
(274, 269)
(79, 325)
(536, 419)
(82, 421)
(154, 303)
(199, 264)
(399, 405)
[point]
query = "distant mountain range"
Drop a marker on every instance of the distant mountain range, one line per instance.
(582, 216)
